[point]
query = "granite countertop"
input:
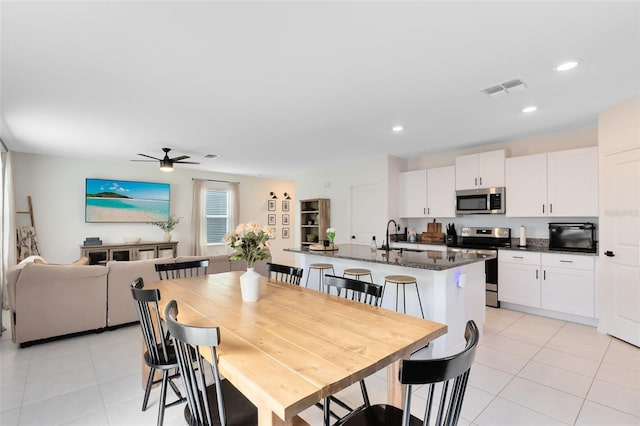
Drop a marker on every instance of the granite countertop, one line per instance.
(435, 260)
(536, 245)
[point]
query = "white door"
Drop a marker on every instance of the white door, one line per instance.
(366, 205)
(620, 245)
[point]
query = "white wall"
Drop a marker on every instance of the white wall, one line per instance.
(57, 187)
(335, 182)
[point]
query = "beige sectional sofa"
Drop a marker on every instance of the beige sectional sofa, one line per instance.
(55, 300)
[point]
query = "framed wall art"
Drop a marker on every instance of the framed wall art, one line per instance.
(285, 205)
(271, 219)
(285, 219)
(285, 233)
(271, 205)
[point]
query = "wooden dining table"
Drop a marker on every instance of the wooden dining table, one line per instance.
(295, 346)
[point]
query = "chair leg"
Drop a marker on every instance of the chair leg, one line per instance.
(163, 395)
(147, 391)
(326, 412)
(419, 301)
(365, 394)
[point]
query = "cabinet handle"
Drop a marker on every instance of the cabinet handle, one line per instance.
(424, 211)
(544, 275)
(475, 181)
(550, 207)
(536, 274)
(481, 181)
(543, 208)
(428, 210)
(517, 257)
(566, 261)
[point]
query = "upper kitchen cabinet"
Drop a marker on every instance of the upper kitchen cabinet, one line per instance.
(560, 184)
(483, 170)
(427, 193)
(572, 182)
(412, 193)
(441, 194)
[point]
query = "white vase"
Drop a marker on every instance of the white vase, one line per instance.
(250, 285)
(167, 236)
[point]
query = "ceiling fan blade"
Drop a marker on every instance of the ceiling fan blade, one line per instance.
(146, 161)
(186, 162)
(148, 156)
(182, 157)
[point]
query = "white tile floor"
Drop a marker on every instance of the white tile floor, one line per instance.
(529, 370)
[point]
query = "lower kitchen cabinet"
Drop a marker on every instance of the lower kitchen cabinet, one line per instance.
(568, 284)
(563, 283)
(519, 278)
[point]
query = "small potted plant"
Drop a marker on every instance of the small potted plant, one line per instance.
(167, 226)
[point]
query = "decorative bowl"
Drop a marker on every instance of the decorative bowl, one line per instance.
(132, 240)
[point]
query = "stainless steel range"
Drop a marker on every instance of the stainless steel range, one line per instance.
(487, 239)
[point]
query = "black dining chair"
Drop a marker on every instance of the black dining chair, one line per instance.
(360, 291)
(220, 403)
(160, 354)
(194, 268)
(450, 373)
(284, 273)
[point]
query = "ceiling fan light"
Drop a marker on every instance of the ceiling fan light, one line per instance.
(166, 165)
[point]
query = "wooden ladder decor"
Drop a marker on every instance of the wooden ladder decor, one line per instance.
(29, 212)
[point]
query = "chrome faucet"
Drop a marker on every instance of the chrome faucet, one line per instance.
(395, 228)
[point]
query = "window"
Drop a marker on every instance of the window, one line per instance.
(217, 215)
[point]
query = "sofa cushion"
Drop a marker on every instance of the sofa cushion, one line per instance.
(54, 300)
(121, 309)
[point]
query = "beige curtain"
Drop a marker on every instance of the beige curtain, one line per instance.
(234, 205)
(199, 217)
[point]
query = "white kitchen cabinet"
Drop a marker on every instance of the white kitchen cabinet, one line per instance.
(526, 185)
(572, 182)
(568, 284)
(483, 170)
(412, 193)
(441, 195)
(427, 193)
(555, 184)
(519, 277)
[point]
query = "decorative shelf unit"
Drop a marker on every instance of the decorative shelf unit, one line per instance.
(314, 221)
(100, 255)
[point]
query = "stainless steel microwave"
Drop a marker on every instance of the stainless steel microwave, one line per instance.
(480, 201)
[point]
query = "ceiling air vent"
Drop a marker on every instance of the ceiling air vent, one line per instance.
(506, 87)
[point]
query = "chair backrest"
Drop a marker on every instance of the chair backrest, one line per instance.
(361, 291)
(188, 340)
(451, 371)
(155, 339)
(194, 268)
(285, 273)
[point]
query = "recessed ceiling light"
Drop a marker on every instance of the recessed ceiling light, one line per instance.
(530, 108)
(568, 65)
(397, 129)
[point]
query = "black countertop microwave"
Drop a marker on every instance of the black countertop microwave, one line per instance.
(578, 237)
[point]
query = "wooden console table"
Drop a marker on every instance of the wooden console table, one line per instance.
(100, 255)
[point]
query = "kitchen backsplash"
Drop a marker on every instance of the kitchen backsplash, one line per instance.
(536, 227)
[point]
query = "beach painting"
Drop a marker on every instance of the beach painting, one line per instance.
(110, 200)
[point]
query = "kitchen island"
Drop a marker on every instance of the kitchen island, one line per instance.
(451, 283)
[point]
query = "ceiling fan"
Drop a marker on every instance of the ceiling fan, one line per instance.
(166, 163)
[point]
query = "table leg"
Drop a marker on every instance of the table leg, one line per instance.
(266, 417)
(395, 394)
